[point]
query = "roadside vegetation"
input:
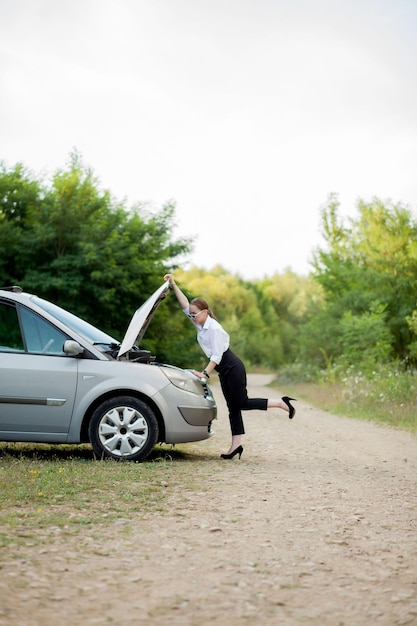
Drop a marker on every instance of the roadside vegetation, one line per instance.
(386, 395)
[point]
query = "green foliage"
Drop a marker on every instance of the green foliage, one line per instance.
(370, 262)
(412, 324)
(73, 244)
(365, 338)
(19, 193)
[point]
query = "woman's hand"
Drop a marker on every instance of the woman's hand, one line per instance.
(198, 374)
(170, 279)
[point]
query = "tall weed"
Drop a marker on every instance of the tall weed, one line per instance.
(386, 394)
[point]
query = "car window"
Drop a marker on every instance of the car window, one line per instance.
(10, 335)
(80, 326)
(40, 335)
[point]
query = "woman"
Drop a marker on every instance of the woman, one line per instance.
(214, 341)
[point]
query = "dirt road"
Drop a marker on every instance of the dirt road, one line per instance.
(315, 525)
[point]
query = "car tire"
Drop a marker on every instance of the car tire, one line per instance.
(123, 428)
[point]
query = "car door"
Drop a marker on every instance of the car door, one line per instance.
(37, 380)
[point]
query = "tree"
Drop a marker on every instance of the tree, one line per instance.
(75, 245)
(369, 265)
(19, 193)
(294, 300)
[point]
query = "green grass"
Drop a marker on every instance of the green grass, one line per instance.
(48, 489)
(387, 397)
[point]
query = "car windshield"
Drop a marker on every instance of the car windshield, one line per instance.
(83, 328)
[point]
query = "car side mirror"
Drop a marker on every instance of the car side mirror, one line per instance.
(72, 348)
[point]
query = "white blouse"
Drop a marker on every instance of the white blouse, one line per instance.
(212, 337)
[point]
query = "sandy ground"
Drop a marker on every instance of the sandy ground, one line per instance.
(315, 525)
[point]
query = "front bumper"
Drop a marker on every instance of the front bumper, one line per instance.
(198, 416)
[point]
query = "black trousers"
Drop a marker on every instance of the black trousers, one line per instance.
(233, 381)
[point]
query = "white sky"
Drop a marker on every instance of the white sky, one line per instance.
(246, 113)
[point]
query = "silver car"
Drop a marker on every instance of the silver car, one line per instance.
(64, 381)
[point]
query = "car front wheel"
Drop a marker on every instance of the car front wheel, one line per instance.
(123, 428)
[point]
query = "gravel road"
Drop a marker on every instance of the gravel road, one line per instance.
(315, 525)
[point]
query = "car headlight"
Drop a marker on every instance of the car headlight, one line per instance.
(185, 380)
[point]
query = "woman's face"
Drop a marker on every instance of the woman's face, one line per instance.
(198, 315)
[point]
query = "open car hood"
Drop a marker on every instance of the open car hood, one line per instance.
(141, 319)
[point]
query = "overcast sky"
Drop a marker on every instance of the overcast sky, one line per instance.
(246, 113)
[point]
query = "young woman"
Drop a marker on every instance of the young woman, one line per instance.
(214, 341)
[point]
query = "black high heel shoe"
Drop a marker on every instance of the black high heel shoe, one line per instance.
(287, 401)
(237, 450)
